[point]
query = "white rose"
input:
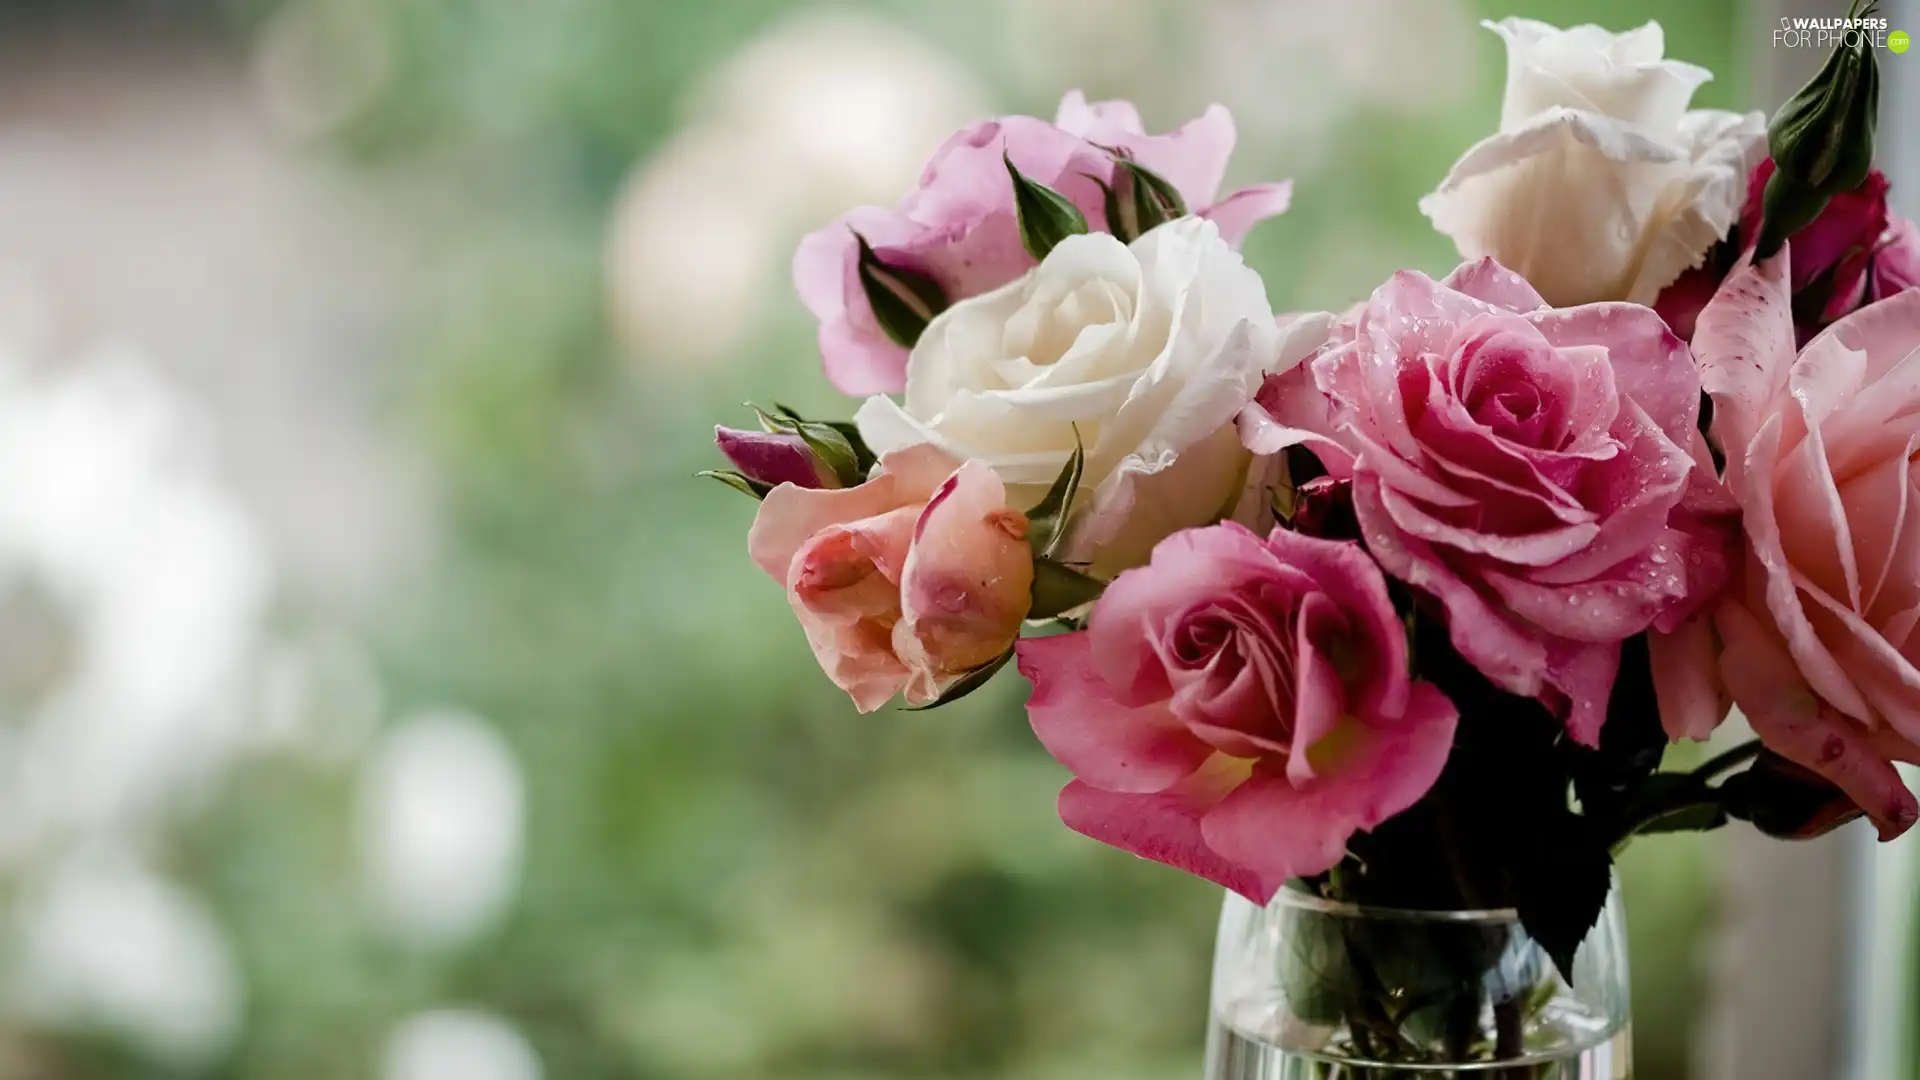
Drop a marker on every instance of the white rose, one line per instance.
(1150, 350)
(1601, 184)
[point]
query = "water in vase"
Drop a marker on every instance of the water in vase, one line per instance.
(1571, 1047)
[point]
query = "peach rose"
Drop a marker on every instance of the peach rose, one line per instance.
(1818, 640)
(905, 582)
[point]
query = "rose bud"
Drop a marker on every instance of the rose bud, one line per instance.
(774, 457)
(905, 583)
(1323, 507)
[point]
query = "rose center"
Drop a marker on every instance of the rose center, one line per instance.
(1048, 327)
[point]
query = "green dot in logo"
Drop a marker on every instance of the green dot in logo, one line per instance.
(1898, 41)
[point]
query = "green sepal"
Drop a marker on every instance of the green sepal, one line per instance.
(1046, 216)
(1155, 201)
(966, 684)
(1785, 800)
(1821, 142)
(841, 450)
(865, 459)
(740, 482)
(1138, 199)
(1047, 522)
(1666, 802)
(848, 430)
(1115, 209)
(903, 301)
(1059, 588)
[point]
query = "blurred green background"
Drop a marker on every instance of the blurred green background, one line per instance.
(566, 796)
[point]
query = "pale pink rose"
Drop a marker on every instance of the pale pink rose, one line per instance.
(1896, 265)
(959, 226)
(1517, 462)
(905, 582)
(1238, 708)
(1819, 644)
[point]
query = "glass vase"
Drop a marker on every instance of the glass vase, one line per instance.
(1312, 989)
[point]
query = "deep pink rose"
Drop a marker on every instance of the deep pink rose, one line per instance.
(1896, 265)
(906, 582)
(959, 226)
(1820, 651)
(1519, 463)
(1238, 708)
(1840, 242)
(1836, 251)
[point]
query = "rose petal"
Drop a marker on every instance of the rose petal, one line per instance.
(1106, 743)
(1766, 683)
(1502, 652)
(1238, 213)
(790, 516)
(1583, 674)
(1280, 831)
(967, 582)
(1826, 675)
(1485, 279)
(1348, 577)
(1884, 331)
(1744, 346)
(1686, 679)
(1139, 607)
(1166, 826)
(1813, 526)
(1889, 682)
(1886, 543)
(1651, 365)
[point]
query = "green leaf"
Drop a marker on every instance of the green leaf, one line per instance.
(1609, 779)
(904, 301)
(1059, 588)
(966, 684)
(739, 482)
(1046, 216)
(1693, 817)
(1047, 521)
(1561, 885)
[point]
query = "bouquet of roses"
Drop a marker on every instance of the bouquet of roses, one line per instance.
(1399, 606)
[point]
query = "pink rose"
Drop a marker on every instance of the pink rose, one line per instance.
(1238, 708)
(959, 226)
(1819, 645)
(1519, 463)
(1896, 265)
(906, 582)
